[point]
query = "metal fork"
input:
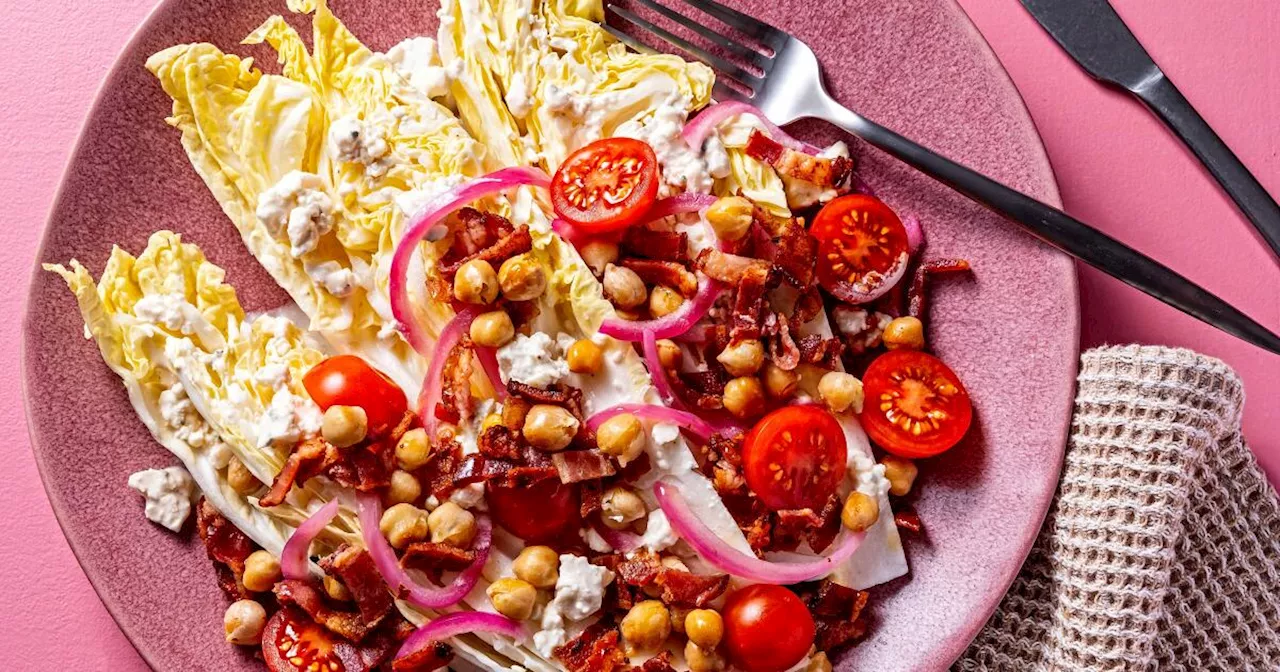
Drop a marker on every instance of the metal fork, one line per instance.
(789, 87)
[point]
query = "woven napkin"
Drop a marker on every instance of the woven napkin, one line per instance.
(1161, 550)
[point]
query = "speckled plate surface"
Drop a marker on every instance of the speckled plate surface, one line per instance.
(1010, 332)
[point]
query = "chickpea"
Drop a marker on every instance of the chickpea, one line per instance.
(492, 329)
(620, 507)
(549, 428)
(743, 358)
(404, 488)
(701, 659)
(538, 565)
(819, 662)
(261, 571)
(512, 598)
(621, 436)
(412, 450)
(669, 354)
(585, 356)
(344, 426)
(841, 392)
(623, 287)
(243, 623)
(647, 625)
(476, 283)
(240, 478)
(598, 254)
(451, 524)
(704, 627)
(901, 474)
(514, 411)
(678, 614)
(522, 278)
(904, 332)
(744, 397)
(663, 301)
(446, 432)
(491, 420)
(730, 217)
(404, 524)
(860, 511)
(336, 589)
(779, 382)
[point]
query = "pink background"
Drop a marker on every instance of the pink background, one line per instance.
(1117, 167)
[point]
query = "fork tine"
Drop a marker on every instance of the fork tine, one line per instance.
(722, 92)
(732, 69)
(756, 28)
(628, 40)
(748, 54)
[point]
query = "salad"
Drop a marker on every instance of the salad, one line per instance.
(583, 371)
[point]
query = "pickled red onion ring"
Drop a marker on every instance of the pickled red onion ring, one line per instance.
(658, 372)
(684, 419)
(459, 623)
(852, 295)
(294, 559)
(679, 205)
(618, 540)
(915, 233)
(700, 127)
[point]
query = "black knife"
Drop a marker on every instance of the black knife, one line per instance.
(1093, 34)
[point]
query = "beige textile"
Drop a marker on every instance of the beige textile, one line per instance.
(1161, 550)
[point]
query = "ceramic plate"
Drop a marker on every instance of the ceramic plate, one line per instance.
(1010, 331)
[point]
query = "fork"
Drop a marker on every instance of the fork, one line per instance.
(789, 87)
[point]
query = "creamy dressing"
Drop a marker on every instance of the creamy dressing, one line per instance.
(168, 494)
(579, 594)
(297, 208)
(416, 60)
(354, 141)
(683, 167)
(533, 360)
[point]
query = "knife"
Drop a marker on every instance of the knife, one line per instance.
(1093, 34)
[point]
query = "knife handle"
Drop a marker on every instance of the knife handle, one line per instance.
(1060, 230)
(1169, 104)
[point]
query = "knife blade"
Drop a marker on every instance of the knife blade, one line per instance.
(1098, 40)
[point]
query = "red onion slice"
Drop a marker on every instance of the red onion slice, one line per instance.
(700, 127)
(489, 362)
(618, 540)
(452, 625)
(915, 233)
(850, 294)
(403, 585)
(667, 326)
(679, 205)
(658, 373)
(715, 551)
(684, 419)
(294, 559)
(433, 383)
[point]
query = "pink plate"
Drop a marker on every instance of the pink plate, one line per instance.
(1010, 331)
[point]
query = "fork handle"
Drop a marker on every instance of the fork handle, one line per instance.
(1062, 231)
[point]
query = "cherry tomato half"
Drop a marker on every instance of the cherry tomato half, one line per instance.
(347, 380)
(860, 240)
(607, 185)
(545, 511)
(292, 642)
(794, 458)
(915, 406)
(766, 628)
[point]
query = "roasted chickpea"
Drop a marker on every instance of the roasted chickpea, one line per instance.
(522, 278)
(623, 287)
(336, 589)
(621, 436)
(841, 392)
(663, 301)
(585, 356)
(646, 626)
(901, 474)
(404, 524)
(730, 217)
(446, 432)
(620, 506)
(779, 382)
(705, 627)
(243, 623)
(702, 659)
(451, 524)
(819, 662)
(549, 428)
(512, 598)
(412, 450)
(744, 397)
(743, 358)
(261, 571)
(904, 332)
(476, 283)
(860, 511)
(240, 478)
(344, 426)
(538, 565)
(598, 254)
(404, 488)
(669, 354)
(492, 329)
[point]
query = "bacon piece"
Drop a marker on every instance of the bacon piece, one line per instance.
(226, 546)
(433, 656)
(517, 241)
(500, 441)
(438, 474)
(753, 518)
(837, 611)
(355, 567)
(783, 351)
(595, 650)
(309, 458)
(590, 494)
(434, 559)
(306, 597)
(823, 352)
(747, 304)
(660, 245)
(641, 569)
(821, 536)
(686, 589)
(473, 231)
(364, 468)
(790, 525)
(808, 306)
(909, 520)
(658, 663)
(455, 395)
(564, 396)
(917, 300)
(824, 172)
(575, 466)
(784, 242)
(835, 635)
(728, 268)
(668, 273)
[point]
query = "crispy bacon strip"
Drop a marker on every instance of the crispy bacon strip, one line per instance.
(564, 396)
(686, 589)
(306, 597)
(824, 172)
(226, 546)
(639, 570)
(438, 474)
(917, 300)
(309, 458)
(748, 303)
(668, 273)
(658, 663)
(728, 268)
(434, 559)
(517, 241)
(595, 650)
(909, 520)
(364, 468)
(784, 242)
(431, 657)
(355, 567)
(455, 396)
(837, 611)
(473, 231)
(660, 245)
(575, 466)
(823, 352)
(500, 442)
(783, 351)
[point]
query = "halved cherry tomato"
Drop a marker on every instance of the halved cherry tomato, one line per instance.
(915, 405)
(766, 628)
(292, 642)
(860, 240)
(607, 185)
(794, 458)
(545, 511)
(347, 380)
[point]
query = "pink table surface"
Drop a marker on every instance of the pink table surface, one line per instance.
(1118, 169)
